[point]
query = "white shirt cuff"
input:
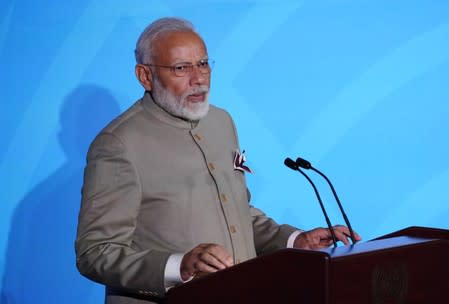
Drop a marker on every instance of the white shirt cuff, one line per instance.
(172, 273)
(292, 238)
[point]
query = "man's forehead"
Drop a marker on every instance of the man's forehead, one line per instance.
(171, 45)
(173, 40)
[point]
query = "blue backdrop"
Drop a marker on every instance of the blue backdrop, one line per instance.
(358, 87)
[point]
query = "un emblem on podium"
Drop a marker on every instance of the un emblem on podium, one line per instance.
(389, 283)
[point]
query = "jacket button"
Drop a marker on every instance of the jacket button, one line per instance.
(224, 198)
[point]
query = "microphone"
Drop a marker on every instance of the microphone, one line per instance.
(300, 162)
(294, 166)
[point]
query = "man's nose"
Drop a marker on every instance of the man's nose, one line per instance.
(197, 77)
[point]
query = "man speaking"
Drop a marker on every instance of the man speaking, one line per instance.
(164, 195)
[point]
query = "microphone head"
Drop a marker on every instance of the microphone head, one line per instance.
(290, 163)
(301, 162)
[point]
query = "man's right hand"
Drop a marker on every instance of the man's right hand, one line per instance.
(205, 258)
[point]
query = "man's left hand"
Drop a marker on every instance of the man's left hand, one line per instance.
(319, 238)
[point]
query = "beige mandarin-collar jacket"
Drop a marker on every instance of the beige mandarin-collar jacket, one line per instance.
(154, 185)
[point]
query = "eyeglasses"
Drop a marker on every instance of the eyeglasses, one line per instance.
(182, 69)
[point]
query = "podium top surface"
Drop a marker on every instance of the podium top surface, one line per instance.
(374, 245)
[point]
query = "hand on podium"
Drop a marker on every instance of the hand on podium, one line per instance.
(203, 259)
(319, 238)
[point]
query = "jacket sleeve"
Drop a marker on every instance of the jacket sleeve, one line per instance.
(268, 235)
(111, 198)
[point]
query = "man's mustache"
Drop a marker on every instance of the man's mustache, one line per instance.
(198, 90)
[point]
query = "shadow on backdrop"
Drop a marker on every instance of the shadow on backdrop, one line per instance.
(40, 259)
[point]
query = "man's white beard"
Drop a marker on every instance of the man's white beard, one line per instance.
(179, 105)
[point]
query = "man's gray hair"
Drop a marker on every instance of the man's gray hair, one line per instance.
(145, 43)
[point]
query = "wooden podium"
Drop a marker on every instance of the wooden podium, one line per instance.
(405, 267)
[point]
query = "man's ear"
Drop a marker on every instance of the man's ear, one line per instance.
(144, 75)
